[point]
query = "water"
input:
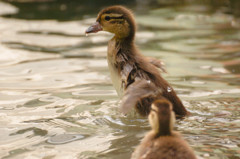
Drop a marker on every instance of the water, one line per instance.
(57, 100)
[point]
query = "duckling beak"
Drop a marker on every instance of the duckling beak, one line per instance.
(96, 27)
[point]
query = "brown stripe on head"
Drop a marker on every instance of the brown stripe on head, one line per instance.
(163, 109)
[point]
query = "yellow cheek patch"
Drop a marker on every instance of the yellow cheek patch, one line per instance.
(154, 108)
(153, 119)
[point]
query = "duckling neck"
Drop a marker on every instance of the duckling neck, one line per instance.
(126, 35)
(125, 45)
(125, 41)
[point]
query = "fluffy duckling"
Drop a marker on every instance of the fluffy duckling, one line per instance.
(162, 142)
(127, 66)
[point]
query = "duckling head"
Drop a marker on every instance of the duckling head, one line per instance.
(117, 20)
(161, 117)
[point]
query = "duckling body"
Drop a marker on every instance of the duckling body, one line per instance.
(127, 65)
(162, 142)
(123, 67)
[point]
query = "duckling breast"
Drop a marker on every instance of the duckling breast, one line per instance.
(114, 73)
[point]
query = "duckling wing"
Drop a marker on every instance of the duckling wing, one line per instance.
(136, 92)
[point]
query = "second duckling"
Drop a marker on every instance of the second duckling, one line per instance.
(162, 142)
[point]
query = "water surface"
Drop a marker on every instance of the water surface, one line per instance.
(57, 100)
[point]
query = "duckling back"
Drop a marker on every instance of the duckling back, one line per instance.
(164, 147)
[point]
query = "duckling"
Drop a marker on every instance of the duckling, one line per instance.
(162, 142)
(126, 65)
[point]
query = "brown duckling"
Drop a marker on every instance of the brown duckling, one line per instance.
(127, 66)
(162, 142)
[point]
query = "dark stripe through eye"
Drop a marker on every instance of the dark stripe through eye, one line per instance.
(117, 17)
(107, 18)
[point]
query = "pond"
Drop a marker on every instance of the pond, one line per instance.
(56, 96)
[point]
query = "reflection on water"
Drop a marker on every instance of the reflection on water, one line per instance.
(56, 98)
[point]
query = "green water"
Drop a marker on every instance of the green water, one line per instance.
(56, 96)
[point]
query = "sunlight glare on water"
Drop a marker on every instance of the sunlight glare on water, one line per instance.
(56, 96)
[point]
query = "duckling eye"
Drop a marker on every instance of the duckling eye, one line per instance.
(107, 18)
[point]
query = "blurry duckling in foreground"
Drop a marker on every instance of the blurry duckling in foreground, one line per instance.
(162, 142)
(127, 66)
